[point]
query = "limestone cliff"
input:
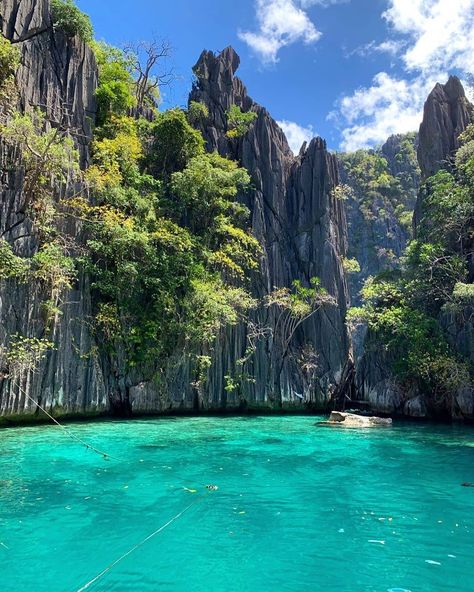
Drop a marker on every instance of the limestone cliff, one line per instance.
(447, 113)
(58, 75)
(302, 229)
(293, 213)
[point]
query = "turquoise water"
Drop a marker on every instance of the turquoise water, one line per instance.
(298, 508)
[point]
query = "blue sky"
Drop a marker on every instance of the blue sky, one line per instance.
(352, 71)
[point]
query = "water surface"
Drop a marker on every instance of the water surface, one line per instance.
(298, 508)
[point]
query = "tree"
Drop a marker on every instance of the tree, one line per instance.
(148, 59)
(9, 62)
(71, 20)
(173, 142)
(115, 91)
(48, 158)
(198, 113)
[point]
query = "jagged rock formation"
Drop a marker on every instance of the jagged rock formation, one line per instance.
(58, 75)
(302, 229)
(300, 224)
(447, 113)
(379, 221)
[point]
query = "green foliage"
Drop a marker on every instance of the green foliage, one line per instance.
(173, 143)
(9, 60)
(342, 192)
(239, 122)
(414, 341)
(296, 305)
(448, 209)
(25, 354)
(164, 225)
(464, 294)
(198, 113)
(115, 92)
(204, 199)
(213, 305)
(70, 19)
(53, 268)
(12, 266)
(350, 265)
(48, 158)
(369, 175)
(431, 274)
(402, 309)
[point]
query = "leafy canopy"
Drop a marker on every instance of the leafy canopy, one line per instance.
(70, 19)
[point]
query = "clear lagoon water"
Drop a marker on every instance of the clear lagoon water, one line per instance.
(299, 508)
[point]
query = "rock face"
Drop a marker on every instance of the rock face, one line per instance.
(447, 113)
(57, 74)
(302, 229)
(377, 231)
(293, 213)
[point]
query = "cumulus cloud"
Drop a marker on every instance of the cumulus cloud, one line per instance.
(441, 32)
(431, 38)
(281, 23)
(296, 134)
(391, 105)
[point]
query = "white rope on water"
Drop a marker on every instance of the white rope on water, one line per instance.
(140, 544)
(68, 432)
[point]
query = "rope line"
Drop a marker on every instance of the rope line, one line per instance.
(140, 544)
(70, 434)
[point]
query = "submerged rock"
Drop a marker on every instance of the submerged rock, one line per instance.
(352, 420)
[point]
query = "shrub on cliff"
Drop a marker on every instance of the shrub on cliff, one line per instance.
(9, 59)
(70, 19)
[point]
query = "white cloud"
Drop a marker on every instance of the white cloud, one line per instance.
(296, 134)
(281, 23)
(389, 106)
(389, 46)
(323, 3)
(431, 38)
(441, 32)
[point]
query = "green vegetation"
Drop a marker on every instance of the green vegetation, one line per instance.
(115, 92)
(24, 355)
(9, 60)
(173, 143)
(166, 234)
(403, 308)
(372, 184)
(12, 266)
(239, 122)
(71, 20)
(48, 159)
(350, 265)
(198, 113)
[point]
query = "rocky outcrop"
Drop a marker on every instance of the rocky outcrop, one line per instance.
(302, 229)
(352, 420)
(293, 213)
(447, 113)
(379, 221)
(59, 76)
